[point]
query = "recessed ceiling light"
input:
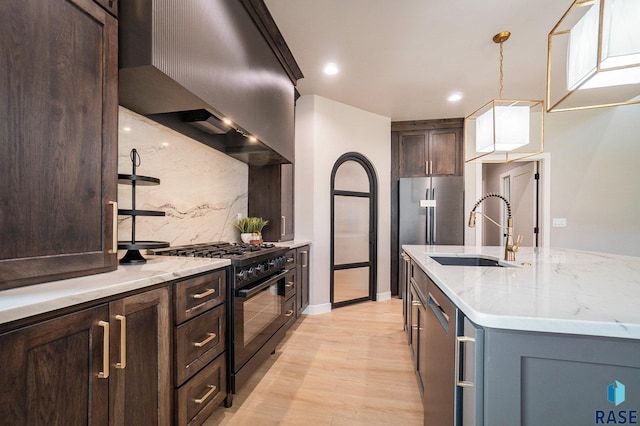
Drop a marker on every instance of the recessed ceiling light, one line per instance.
(253, 139)
(227, 121)
(126, 129)
(331, 69)
(455, 97)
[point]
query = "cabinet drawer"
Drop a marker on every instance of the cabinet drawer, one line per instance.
(197, 398)
(199, 341)
(290, 284)
(290, 311)
(291, 258)
(196, 295)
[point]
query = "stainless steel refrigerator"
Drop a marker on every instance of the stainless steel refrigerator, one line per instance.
(431, 211)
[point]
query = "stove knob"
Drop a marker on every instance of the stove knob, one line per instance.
(261, 268)
(242, 275)
(272, 263)
(253, 271)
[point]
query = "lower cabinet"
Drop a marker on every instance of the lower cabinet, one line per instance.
(297, 283)
(302, 288)
(199, 347)
(108, 364)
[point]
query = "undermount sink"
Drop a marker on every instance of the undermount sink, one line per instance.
(468, 261)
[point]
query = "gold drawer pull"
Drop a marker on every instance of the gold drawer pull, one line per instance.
(123, 341)
(212, 389)
(289, 284)
(209, 292)
(104, 374)
(205, 341)
(289, 313)
(416, 303)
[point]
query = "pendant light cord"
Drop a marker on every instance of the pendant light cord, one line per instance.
(501, 73)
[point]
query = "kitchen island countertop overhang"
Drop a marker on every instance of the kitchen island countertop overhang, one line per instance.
(548, 290)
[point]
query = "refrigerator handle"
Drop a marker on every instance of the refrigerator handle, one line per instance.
(433, 219)
(428, 219)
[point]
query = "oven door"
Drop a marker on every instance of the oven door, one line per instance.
(258, 315)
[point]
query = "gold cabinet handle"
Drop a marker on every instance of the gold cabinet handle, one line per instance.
(210, 337)
(305, 255)
(289, 313)
(123, 342)
(289, 284)
(209, 292)
(114, 238)
(283, 225)
(212, 389)
(416, 303)
(104, 374)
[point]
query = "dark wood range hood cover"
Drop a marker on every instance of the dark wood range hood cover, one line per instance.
(183, 60)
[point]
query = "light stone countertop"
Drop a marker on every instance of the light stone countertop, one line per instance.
(23, 302)
(291, 244)
(562, 291)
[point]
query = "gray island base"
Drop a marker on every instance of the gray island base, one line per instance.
(522, 355)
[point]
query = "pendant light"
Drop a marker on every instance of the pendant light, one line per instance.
(593, 56)
(504, 130)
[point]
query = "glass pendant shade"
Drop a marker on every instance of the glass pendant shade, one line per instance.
(594, 56)
(504, 130)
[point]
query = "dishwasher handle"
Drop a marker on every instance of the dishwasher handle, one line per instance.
(437, 310)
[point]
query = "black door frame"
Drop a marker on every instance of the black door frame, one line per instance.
(373, 226)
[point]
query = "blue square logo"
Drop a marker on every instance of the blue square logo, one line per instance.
(615, 393)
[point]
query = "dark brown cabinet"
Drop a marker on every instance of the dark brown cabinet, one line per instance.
(199, 346)
(58, 156)
(302, 289)
(140, 342)
(435, 152)
(108, 364)
(271, 197)
(110, 5)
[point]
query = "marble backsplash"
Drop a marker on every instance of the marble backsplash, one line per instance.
(202, 191)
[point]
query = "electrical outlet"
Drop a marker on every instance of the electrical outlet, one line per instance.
(559, 222)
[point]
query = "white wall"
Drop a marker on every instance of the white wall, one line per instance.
(595, 179)
(325, 130)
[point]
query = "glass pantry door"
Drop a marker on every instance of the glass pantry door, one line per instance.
(353, 226)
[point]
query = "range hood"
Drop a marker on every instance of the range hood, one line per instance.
(189, 65)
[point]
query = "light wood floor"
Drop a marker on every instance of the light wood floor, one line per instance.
(348, 367)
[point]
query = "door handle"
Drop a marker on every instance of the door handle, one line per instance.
(123, 342)
(104, 374)
(460, 340)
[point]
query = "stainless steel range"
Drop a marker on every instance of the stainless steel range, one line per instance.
(255, 302)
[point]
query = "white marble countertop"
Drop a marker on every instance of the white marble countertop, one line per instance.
(292, 244)
(561, 291)
(23, 302)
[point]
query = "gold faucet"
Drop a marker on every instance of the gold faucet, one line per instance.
(510, 248)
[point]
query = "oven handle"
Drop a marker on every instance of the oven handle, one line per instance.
(247, 293)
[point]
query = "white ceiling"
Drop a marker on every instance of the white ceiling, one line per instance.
(403, 58)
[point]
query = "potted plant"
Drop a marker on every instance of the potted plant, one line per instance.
(251, 229)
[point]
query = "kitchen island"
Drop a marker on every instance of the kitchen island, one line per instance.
(553, 338)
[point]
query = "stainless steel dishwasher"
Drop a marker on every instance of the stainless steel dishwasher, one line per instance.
(439, 358)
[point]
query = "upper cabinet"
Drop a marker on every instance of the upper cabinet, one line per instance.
(58, 133)
(429, 148)
(271, 197)
(189, 65)
(110, 5)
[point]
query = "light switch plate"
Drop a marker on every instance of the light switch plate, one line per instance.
(559, 222)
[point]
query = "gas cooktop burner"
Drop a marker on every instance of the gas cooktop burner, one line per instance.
(238, 253)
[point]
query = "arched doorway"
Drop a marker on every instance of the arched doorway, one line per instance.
(354, 230)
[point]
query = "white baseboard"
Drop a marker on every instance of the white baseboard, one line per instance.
(381, 297)
(317, 309)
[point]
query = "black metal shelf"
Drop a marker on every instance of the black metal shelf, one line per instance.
(133, 247)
